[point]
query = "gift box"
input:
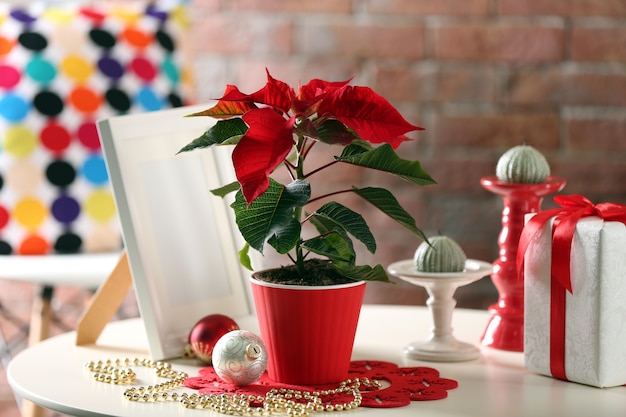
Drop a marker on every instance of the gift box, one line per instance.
(574, 265)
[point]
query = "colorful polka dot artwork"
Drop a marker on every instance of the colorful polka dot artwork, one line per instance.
(62, 68)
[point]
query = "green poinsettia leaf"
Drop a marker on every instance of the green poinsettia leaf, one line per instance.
(387, 203)
(226, 189)
(333, 242)
(357, 147)
(233, 140)
(363, 272)
(244, 257)
(335, 246)
(384, 158)
(270, 213)
(334, 132)
(286, 238)
(350, 221)
(224, 132)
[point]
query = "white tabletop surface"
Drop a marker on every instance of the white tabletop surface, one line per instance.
(51, 373)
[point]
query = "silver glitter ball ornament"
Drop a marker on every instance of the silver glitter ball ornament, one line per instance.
(239, 357)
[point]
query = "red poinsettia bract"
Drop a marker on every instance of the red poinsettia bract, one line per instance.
(275, 115)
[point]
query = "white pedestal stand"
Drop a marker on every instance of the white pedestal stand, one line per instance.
(442, 346)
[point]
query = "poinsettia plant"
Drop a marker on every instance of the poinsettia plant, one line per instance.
(277, 127)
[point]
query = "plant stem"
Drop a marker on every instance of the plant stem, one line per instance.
(289, 166)
(297, 213)
(306, 151)
(321, 168)
(330, 195)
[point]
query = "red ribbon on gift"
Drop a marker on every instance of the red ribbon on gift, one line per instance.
(573, 208)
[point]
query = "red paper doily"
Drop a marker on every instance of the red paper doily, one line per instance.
(404, 384)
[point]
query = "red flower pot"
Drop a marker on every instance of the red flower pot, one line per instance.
(308, 331)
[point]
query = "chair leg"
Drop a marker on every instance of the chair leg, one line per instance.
(32, 410)
(5, 357)
(40, 320)
(41, 316)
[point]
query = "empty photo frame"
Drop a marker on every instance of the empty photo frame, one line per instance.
(181, 240)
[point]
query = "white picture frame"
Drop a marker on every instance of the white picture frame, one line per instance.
(182, 242)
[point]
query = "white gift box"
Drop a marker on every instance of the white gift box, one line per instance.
(595, 311)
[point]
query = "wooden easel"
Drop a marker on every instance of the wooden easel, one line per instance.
(105, 303)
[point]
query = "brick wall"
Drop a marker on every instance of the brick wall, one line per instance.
(480, 75)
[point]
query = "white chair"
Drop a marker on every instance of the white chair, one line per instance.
(49, 271)
(86, 271)
(62, 70)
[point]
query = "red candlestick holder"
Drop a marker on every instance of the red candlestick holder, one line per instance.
(505, 329)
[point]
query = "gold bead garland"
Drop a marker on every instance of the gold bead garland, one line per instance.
(276, 401)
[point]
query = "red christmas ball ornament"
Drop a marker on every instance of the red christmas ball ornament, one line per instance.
(206, 332)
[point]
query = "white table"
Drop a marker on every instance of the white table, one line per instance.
(51, 373)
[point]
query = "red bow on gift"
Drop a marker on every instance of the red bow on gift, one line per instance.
(573, 208)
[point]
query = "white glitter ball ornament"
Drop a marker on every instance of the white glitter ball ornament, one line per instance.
(239, 357)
